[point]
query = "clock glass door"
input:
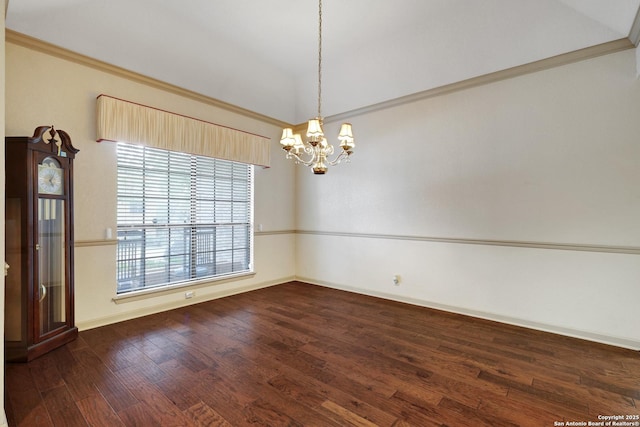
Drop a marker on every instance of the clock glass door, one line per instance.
(51, 305)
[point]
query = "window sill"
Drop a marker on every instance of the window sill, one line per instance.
(167, 290)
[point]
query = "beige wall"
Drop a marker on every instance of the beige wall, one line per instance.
(480, 200)
(44, 89)
(507, 201)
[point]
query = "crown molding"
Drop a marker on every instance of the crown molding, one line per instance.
(634, 33)
(68, 55)
(532, 67)
(509, 73)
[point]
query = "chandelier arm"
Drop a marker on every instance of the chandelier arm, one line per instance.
(339, 158)
(300, 160)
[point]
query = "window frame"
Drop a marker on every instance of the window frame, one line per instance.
(194, 226)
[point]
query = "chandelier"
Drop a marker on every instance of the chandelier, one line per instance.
(316, 150)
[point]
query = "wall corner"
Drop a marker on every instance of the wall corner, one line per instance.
(4, 4)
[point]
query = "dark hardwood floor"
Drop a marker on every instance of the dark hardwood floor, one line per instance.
(298, 354)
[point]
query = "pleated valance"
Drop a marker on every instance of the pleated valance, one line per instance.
(124, 121)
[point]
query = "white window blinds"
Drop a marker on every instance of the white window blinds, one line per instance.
(181, 217)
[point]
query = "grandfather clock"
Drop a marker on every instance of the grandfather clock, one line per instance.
(39, 312)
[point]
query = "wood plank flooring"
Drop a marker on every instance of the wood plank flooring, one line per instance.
(303, 355)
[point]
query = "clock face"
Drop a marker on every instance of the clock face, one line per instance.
(50, 177)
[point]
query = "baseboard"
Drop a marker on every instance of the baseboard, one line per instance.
(559, 330)
(120, 317)
(3, 419)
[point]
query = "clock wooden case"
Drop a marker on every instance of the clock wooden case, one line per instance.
(39, 303)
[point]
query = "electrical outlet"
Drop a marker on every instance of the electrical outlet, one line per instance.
(189, 294)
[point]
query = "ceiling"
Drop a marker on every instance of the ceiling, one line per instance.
(262, 55)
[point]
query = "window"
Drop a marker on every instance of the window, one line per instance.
(181, 218)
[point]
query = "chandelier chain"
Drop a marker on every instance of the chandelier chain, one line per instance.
(315, 152)
(319, 57)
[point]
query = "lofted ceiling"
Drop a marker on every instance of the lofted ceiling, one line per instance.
(262, 55)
